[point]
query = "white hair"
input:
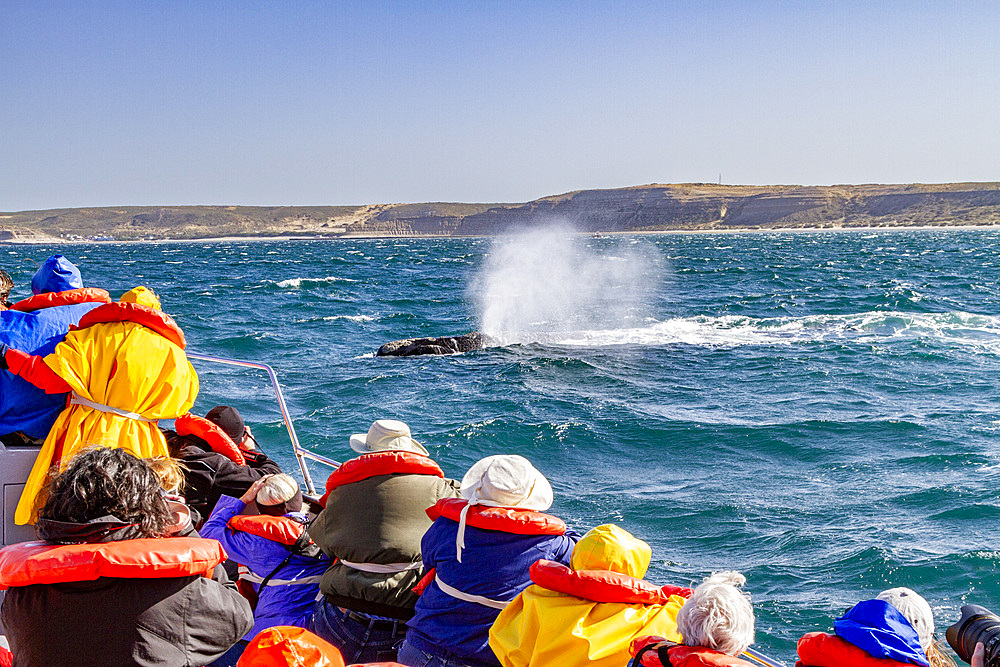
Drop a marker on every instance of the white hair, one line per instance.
(718, 615)
(277, 489)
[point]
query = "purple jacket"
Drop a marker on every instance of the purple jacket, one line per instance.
(289, 596)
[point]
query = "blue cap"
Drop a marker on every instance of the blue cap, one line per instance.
(881, 631)
(57, 274)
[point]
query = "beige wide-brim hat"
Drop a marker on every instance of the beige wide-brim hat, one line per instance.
(507, 480)
(386, 435)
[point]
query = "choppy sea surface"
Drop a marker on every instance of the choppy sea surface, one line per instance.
(817, 410)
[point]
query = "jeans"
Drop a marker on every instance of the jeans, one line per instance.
(411, 656)
(373, 641)
(232, 656)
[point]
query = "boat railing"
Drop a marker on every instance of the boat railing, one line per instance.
(300, 454)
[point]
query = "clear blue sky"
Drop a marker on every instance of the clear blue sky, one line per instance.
(214, 102)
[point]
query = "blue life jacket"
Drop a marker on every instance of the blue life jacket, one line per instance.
(881, 631)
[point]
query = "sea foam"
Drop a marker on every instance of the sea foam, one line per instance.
(952, 328)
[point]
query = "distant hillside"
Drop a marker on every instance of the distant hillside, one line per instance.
(693, 206)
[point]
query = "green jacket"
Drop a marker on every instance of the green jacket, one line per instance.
(377, 520)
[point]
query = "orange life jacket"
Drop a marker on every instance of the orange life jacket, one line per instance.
(29, 563)
(819, 649)
(70, 297)
(601, 585)
(151, 318)
(288, 646)
(282, 529)
(503, 519)
(380, 463)
(662, 653)
(210, 432)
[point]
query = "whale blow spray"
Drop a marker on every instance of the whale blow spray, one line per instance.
(540, 284)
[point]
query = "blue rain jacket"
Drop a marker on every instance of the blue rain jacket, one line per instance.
(280, 603)
(881, 631)
(23, 406)
(494, 565)
(56, 274)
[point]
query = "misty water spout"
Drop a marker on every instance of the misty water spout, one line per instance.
(540, 284)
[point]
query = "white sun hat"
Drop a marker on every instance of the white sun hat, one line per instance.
(505, 480)
(916, 610)
(386, 435)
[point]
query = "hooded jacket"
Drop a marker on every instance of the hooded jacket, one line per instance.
(377, 519)
(56, 274)
(547, 627)
(494, 565)
(184, 620)
(289, 597)
(36, 329)
(123, 356)
(871, 632)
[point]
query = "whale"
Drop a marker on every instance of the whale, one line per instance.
(412, 347)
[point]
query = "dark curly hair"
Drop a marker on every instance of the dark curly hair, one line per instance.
(102, 481)
(6, 285)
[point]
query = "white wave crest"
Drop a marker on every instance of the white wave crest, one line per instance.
(954, 328)
(295, 283)
(349, 318)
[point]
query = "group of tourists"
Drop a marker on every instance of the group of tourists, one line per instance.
(190, 546)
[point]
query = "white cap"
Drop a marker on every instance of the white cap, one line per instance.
(505, 480)
(916, 610)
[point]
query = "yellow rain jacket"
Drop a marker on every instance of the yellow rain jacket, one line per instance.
(542, 627)
(124, 356)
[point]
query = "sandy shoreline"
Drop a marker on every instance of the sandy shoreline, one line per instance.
(368, 237)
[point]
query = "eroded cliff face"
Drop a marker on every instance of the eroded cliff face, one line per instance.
(642, 208)
(676, 207)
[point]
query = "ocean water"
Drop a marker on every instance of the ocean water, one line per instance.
(817, 410)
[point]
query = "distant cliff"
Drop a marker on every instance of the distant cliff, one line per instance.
(692, 206)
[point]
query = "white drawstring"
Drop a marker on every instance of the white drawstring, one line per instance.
(460, 539)
(476, 500)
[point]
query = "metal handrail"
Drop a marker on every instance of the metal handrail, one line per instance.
(300, 454)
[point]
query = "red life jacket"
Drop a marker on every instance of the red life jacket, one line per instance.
(293, 647)
(151, 318)
(210, 432)
(503, 519)
(601, 585)
(380, 463)
(29, 563)
(681, 656)
(282, 529)
(819, 649)
(70, 297)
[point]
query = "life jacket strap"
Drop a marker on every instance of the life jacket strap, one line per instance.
(468, 597)
(662, 650)
(253, 578)
(77, 399)
(382, 568)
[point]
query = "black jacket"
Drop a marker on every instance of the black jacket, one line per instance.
(210, 475)
(177, 621)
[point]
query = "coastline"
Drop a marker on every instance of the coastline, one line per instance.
(606, 234)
